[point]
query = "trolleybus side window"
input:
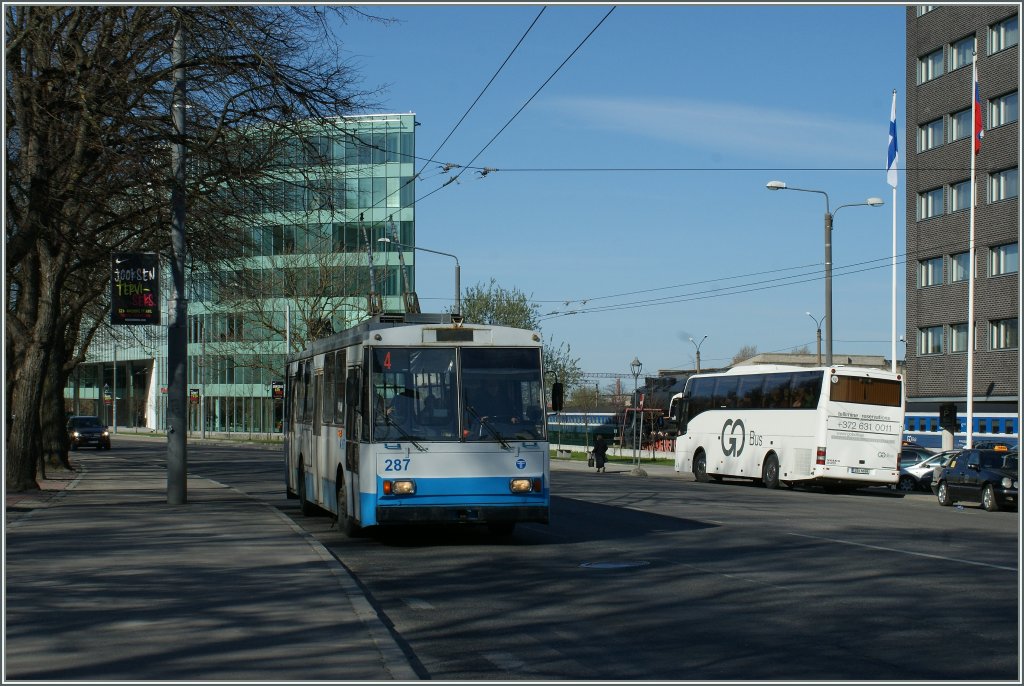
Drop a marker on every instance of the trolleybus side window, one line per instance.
(328, 399)
(866, 391)
(339, 388)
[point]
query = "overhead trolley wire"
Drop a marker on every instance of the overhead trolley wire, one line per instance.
(519, 111)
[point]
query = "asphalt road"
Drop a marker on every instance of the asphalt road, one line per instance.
(663, 578)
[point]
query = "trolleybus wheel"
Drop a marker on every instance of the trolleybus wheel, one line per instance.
(345, 523)
(700, 468)
(770, 473)
(307, 508)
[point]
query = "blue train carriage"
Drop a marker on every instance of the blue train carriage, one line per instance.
(416, 418)
(924, 428)
(581, 428)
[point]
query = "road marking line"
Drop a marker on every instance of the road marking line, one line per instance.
(418, 604)
(506, 661)
(908, 552)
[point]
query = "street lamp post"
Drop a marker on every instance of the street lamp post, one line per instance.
(829, 214)
(697, 346)
(818, 323)
(635, 366)
(458, 268)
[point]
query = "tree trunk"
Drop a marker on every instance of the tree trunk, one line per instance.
(52, 417)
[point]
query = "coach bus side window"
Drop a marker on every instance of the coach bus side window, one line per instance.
(699, 399)
(725, 392)
(749, 393)
(806, 388)
(776, 390)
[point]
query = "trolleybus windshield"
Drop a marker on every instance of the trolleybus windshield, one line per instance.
(503, 394)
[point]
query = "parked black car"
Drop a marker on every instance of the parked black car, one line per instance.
(990, 477)
(84, 430)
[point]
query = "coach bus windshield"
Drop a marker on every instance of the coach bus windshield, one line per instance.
(502, 394)
(866, 391)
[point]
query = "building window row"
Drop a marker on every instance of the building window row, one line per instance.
(1002, 185)
(1002, 260)
(1003, 334)
(1001, 35)
(348, 149)
(1002, 110)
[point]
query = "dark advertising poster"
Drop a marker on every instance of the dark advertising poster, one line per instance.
(134, 288)
(277, 389)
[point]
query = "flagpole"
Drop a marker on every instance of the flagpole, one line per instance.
(971, 260)
(894, 280)
(892, 178)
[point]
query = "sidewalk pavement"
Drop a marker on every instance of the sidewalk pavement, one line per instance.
(107, 582)
(104, 581)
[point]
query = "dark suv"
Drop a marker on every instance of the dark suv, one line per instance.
(990, 477)
(83, 430)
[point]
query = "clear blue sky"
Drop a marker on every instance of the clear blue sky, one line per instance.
(696, 108)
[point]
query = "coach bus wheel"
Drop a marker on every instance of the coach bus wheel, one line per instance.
(307, 508)
(345, 523)
(770, 473)
(700, 468)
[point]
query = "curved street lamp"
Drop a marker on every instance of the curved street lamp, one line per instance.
(818, 323)
(697, 346)
(829, 214)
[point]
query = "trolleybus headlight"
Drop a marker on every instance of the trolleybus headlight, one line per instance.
(526, 485)
(399, 487)
(520, 485)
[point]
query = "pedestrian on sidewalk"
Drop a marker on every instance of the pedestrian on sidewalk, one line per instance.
(600, 453)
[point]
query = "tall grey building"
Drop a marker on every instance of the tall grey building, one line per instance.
(940, 52)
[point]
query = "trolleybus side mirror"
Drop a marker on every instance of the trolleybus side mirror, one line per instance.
(557, 396)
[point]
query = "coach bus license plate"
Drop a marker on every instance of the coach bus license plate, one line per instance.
(859, 470)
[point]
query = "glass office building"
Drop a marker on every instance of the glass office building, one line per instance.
(314, 258)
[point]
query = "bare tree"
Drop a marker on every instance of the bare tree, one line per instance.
(744, 353)
(88, 135)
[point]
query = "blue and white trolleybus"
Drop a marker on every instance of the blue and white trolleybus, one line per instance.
(416, 418)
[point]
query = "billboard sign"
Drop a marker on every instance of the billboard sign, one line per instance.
(135, 288)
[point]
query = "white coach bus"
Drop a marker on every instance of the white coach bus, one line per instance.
(837, 426)
(415, 418)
